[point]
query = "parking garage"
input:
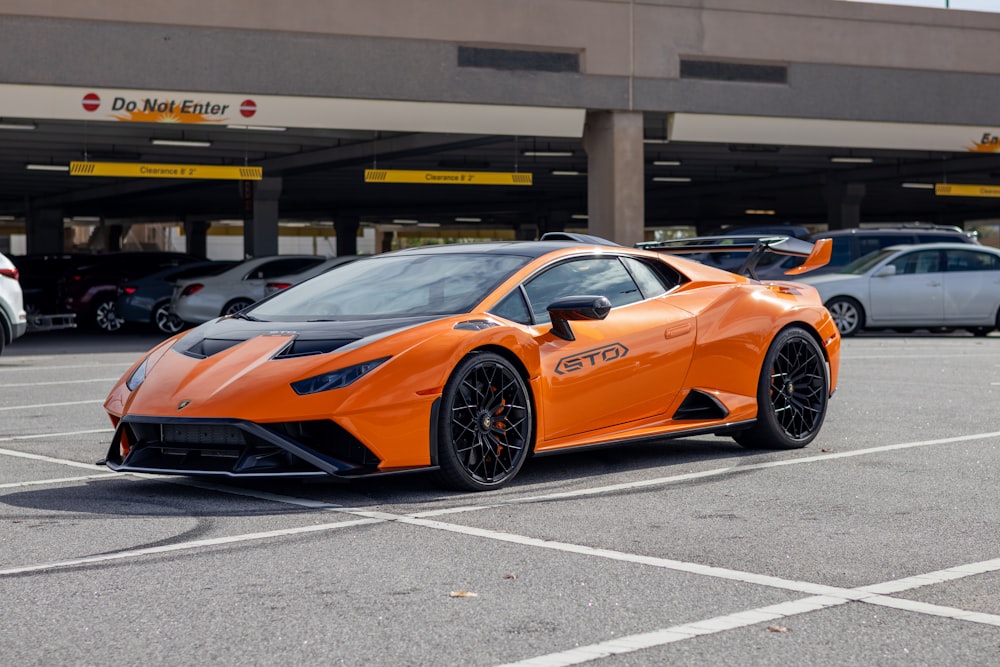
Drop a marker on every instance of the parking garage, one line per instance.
(628, 120)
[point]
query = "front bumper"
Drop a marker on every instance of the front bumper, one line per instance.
(237, 448)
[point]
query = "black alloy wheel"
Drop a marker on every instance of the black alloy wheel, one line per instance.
(792, 394)
(486, 424)
(165, 320)
(847, 315)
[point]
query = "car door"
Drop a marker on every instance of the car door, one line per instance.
(971, 287)
(913, 295)
(626, 367)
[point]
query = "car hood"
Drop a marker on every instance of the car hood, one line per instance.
(308, 338)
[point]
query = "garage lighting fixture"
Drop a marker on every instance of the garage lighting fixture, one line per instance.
(666, 163)
(656, 141)
(919, 186)
(17, 126)
(180, 142)
(579, 216)
(428, 224)
(405, 221)
(547, 153)
(468, 219)
(672, 179)
(759, 211)
(46, 167)
(566, 172)
(257, 128)
(852, 160)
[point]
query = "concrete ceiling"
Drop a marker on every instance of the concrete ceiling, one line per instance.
(322, 177)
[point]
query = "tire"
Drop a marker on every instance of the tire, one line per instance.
(165, 320)
(979, 332)
(105, 316)
(847, 314)
(792, 394)
(485, 424)
(235, 306)
(3, 333)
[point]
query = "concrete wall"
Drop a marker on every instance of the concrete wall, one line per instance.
(845, 60)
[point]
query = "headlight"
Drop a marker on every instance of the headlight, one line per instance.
(334, 379)
(137, 376)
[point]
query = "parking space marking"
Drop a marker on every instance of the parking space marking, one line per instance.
(183, 546)
(43, 384)
(25, 367)
(49, 405)
(62, 480)
(42, 457)
(38, 436)
(658, 481)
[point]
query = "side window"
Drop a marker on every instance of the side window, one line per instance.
(970, 260)
(513, 307)
(597, 275)
(281, 267)
(649, 282)
(841, 252)
(924, 261)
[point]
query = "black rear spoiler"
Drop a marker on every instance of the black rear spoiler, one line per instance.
(817, 254)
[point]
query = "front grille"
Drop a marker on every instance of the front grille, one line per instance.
(238, 448)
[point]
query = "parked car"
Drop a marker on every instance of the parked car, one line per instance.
(42, 283)
(935, 285)
(229, 292)
(90, 288)
(284, 282)
(13, 320)
(147, 300)
(850, 244)
(466, 359)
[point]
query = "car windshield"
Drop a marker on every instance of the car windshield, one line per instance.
(394, 285)
(862, 264)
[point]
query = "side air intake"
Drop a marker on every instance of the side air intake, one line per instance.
(700, 406)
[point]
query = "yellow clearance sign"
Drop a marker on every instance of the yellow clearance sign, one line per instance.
(446, 177)
(145, 170)
(956, 190)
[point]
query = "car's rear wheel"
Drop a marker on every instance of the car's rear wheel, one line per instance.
(792, 394)
(847, 315)
(165, 319)
(106, 316)
(235, 306)
(485, 424)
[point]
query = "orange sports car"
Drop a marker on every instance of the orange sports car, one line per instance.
(466, 360)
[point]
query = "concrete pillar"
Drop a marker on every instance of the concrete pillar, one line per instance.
(843, 204)
(44, 232)
(347, 235)
(615, 175)
(260, 223)
(196, 237)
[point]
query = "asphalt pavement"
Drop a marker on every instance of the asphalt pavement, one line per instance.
(879, 544)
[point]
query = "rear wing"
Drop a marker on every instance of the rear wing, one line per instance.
(817, 254)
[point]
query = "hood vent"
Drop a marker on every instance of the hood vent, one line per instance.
(305, 348)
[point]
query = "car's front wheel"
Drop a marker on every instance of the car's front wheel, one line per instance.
(792, 394)
(106, 316)
(847, 315)
(485, 424)
(166, 320)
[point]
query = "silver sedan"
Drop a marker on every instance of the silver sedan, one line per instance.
(930, 286)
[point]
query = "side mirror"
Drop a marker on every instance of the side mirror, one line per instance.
(884, 271)
(585, 307)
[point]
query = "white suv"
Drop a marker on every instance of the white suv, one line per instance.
(13, 321)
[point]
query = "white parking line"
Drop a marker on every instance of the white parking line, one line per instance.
(61, 480)
(43, 384)
(183, 546)
(6, 367)
(42, 457)
(41, 436)
(49, 405)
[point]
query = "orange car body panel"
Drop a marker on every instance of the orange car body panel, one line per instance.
(622, 378)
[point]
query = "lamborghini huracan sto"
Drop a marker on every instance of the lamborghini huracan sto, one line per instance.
(466, 360)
